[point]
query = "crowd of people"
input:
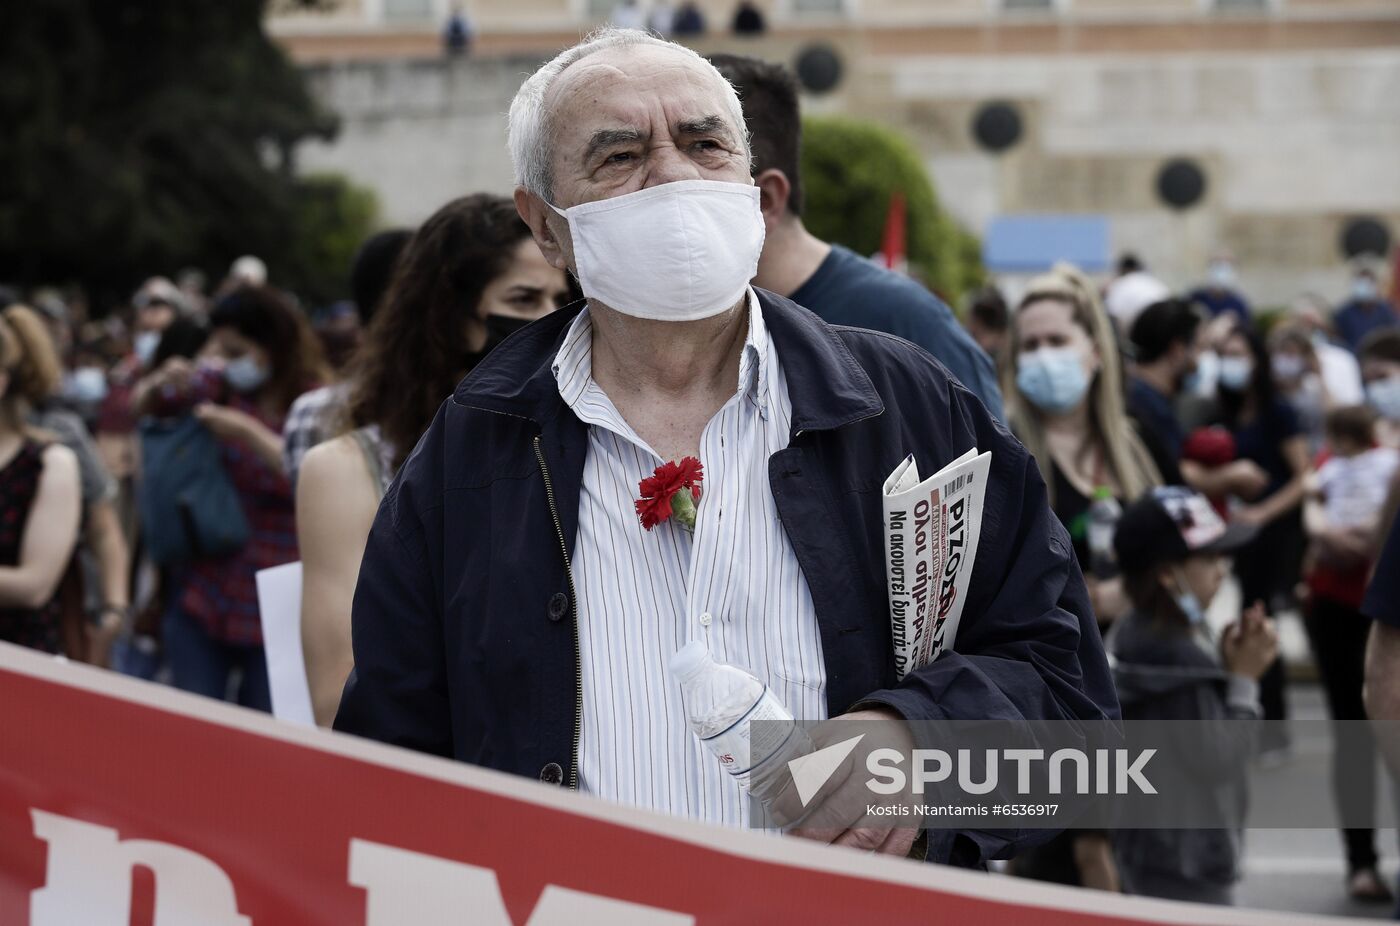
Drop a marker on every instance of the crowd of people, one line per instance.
(1285, 434)
(153, 460)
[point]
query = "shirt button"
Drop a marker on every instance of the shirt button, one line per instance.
(552, 774)
(558, 606)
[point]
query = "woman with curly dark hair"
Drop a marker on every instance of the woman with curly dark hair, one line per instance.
(261, 354)
(470, 277)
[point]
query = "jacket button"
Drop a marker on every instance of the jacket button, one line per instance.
(558, 606)
(552, 774)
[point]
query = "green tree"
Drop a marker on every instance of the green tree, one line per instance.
(333, 217)
(147, 135)
(851, 171)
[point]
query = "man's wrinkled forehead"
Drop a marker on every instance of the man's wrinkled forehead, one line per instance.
(615, 81)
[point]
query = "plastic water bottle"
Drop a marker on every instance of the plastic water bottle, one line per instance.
(1103, 521)
(722, 703)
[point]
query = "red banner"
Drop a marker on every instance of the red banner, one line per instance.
(126, 804)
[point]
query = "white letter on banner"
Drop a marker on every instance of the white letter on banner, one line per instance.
(406, 888)
(89, 879)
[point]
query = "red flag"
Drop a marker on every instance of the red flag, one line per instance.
(1395, 277)
(893, 244)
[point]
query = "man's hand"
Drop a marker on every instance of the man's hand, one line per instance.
(838, 814)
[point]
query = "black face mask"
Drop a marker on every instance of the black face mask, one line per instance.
(498, 328)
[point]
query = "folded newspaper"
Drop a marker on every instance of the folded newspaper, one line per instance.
(931, 533)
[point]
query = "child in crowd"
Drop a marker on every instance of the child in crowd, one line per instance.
(1341, 514)
(1168, 665)
(1351, 484)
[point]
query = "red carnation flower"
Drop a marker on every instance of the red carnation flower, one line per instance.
(672, 489)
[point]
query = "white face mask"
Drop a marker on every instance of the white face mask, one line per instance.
(677, 252)
(1235, 373)
(1384, 396)
(1288, 366)
(1222, 275)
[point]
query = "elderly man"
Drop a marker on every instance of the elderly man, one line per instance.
(511, 610)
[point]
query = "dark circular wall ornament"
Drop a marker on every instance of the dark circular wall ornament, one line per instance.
(997, 126)
(1365, 236)
(1181, 183)
(818, 68)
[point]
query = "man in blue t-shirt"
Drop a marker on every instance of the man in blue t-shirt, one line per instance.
(1219, 296)
(837, 284)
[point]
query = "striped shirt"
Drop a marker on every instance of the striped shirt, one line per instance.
(643, 595)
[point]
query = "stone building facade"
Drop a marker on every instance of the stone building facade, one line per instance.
(1289, 110)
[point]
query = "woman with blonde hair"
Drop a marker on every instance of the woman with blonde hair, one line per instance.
(1063, 381)
(40, 493)
(1063, 385)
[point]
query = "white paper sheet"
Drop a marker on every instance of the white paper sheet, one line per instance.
(279, 602)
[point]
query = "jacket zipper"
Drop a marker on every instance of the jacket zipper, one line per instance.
(573, 610)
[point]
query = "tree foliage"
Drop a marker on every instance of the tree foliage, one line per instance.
(148, 135)
(851, 170)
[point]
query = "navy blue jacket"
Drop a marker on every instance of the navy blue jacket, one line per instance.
(464, 638)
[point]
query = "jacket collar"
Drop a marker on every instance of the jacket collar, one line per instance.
(828, 388)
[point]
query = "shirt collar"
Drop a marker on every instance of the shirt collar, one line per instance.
(573, 364)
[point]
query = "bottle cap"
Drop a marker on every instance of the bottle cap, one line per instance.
(689, 660)
(1101, 493)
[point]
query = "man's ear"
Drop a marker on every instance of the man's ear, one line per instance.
(774, 188)
(535, 213)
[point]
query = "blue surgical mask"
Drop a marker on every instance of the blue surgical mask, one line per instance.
(1235, 372)
(1052, 379)
(144, 346)
(1203, 379)
(1363, 289)
(86, 385)
(1384, 396)
(1288, 367)
(245, 374)
(1222, 275)
(1189, 604)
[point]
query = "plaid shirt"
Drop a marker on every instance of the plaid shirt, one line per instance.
(309, 422)
(221, 593)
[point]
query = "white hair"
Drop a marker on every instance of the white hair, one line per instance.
(531, 144)
(249, 268)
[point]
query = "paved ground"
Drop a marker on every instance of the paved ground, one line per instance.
(1299, 870)
(1303, 870)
